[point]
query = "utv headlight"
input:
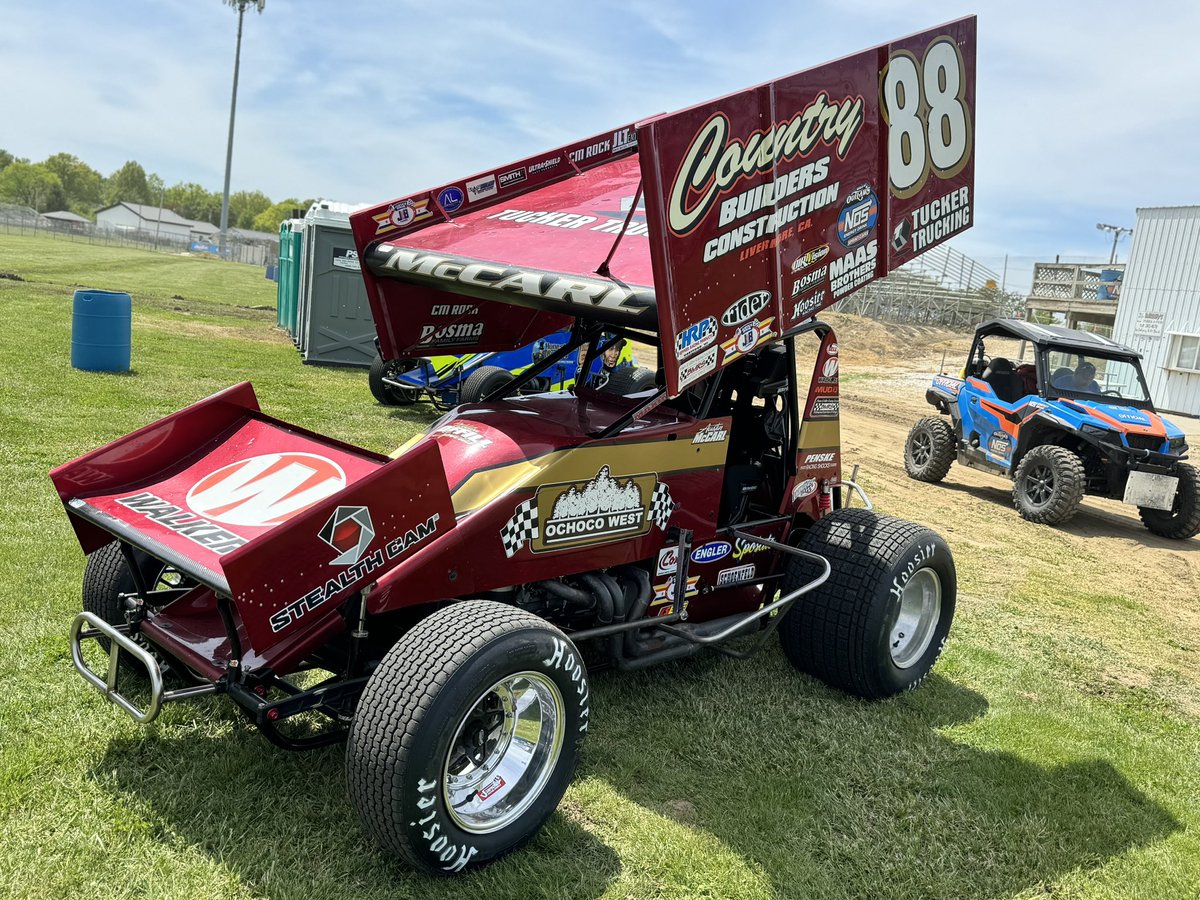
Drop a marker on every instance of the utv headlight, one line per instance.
(1177, 445)
(1097, 430)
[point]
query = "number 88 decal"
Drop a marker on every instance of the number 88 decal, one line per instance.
(929, 125)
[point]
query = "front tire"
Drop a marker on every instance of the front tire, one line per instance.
(1183, 521)
(626, 380)
(929, 450)
(482, 382)
(878, 625)
(1049, 485)
(467, 735)
(385, 393)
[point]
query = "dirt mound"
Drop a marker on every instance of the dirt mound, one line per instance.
(872, 342)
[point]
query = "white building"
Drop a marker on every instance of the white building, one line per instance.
(152, 220)
(1159, 312)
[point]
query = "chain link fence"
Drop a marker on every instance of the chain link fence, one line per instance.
(24, 220)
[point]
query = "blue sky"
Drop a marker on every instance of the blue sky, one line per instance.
(1085, 110)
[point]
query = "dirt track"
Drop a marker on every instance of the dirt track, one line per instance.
(1104, 549)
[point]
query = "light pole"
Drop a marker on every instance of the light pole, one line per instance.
(1117, 231)
(240, 6)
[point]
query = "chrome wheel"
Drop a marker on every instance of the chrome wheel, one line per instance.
(917, 619)
(504, 752)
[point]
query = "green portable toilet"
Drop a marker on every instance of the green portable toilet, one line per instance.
(289, 275)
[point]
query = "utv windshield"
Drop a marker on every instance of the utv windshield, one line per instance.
(1086, 376)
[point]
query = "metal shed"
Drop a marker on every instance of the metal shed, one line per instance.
(1159, 312)
(333, 319)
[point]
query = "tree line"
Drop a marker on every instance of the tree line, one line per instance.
(65, 182)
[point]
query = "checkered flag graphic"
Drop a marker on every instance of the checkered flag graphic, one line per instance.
(522, 527)
(661, 505)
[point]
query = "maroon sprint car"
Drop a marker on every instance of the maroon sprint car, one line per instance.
(440, 610)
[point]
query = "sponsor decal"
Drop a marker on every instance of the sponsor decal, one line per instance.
(825, 408)
(491, 787)
(513, 176)
(716, 161)
(712, 552)
(827, 390)
(714, 433)
(348, 531)
(808, 306)
(832, 349)
(695, 369)
(695, 337)
(746, 338)
(850, 272)
(668, 560)
(454, 309)
(482, 187)
(829, 371)
(462, 433)
(938, 219)
(809, 257)
(591, 151)
(743, 548)
(346, 259)
(811, 460)
(900, 234)
(400, 214)
(775, 223)
(736, 575)
(571, 291)
(545, 165)
(195, 528)
(805, 488)
(455, 335)
(574, 514)
(625, 139)
(353, 575)
(553, 219)
(999, 443)
(1136, 418)
(265, 490)
(451, 198)
(809, 280)
(746, 307)
(860, 212)
(950, 385)
(665, 593)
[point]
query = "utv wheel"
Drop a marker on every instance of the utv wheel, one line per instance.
(385, 393)
(629, 380)
(482, 382)
(1049, 485)
(1183, 521)
(877, 626)
(467, 735)
(107, 577)
(929, 450)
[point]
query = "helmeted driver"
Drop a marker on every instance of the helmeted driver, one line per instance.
(1082, 380)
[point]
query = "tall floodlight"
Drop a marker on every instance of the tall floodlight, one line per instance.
(1117, 231)
(240, 6)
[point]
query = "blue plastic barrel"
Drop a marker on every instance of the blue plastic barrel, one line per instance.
(101, 323)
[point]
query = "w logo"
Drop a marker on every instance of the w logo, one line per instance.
(265, 490)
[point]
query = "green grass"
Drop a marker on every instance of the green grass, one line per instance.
(1054, 751)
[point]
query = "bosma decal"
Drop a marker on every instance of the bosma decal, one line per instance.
(576, 514)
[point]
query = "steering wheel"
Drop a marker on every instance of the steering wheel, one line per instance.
(1114, 392)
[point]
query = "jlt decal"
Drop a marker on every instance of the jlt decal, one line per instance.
(746, 338)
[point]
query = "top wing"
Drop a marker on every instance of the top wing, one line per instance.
(761, 208)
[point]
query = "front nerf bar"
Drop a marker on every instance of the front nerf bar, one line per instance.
(120, 642)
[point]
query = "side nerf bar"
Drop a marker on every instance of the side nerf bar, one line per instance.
(89, 626)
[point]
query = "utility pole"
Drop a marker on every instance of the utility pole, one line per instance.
(1116, 231)
(240, 5)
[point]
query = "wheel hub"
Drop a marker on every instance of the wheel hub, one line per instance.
(917, 618)
(504, 752)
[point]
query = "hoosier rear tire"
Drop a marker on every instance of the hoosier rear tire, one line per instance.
(877, 626)
(467, 735)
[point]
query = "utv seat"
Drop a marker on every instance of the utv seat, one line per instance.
(1004, 380)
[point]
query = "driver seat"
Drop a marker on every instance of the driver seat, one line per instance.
(1004, 380)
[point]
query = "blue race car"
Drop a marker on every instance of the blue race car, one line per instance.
(450, 380)
(1062, 413)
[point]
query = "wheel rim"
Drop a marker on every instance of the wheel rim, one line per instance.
(398, 367)
(922, 448)
(503, 752)
(917, 618)
(1039, 484)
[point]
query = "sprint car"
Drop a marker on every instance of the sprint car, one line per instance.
(1062, 413)
(442, 610)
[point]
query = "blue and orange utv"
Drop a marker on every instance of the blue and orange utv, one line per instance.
(1062, 413)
